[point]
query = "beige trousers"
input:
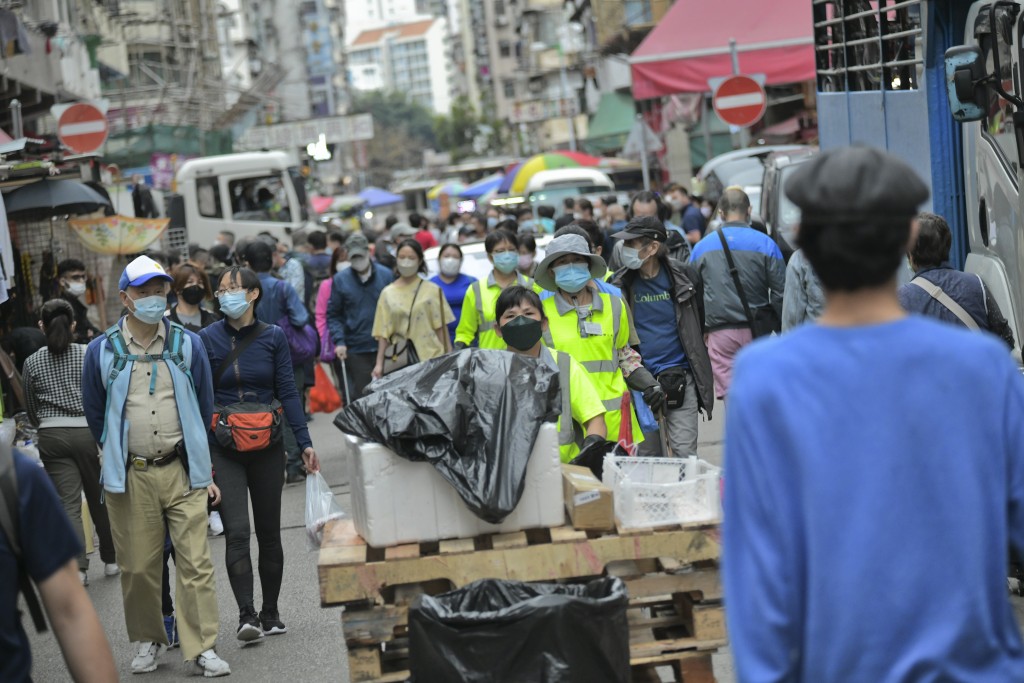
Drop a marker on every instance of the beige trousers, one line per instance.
(153, 498)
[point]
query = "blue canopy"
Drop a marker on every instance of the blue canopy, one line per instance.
(374, 196)
(483, 186)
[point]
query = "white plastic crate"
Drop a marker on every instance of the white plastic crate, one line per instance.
(395, 500)
(652, 492)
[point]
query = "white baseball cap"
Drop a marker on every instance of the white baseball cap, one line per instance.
(140, 271)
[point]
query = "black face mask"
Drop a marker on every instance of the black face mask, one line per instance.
(193, 294)
(521, 333)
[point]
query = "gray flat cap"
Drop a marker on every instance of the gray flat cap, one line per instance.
(856, 185)
(401, 231)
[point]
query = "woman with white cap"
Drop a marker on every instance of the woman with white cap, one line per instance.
(593, 327)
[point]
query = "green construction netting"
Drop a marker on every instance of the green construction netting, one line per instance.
(136, 147)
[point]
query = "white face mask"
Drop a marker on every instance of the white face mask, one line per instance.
(675, 204)
(360, 264)
(450, 266)
(407, 267)
(75, 288)
(705, 211)
(340, 266)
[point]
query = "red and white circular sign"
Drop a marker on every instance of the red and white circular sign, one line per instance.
(740, 101)
(82, 128)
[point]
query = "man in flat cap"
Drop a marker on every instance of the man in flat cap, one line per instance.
(874, 464)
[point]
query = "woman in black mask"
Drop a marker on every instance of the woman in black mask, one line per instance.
(521, 324)
(192, 286)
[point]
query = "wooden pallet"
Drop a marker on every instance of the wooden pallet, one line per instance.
(351, 571)
(675, 614)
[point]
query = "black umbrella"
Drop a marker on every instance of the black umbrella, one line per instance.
(48, 198)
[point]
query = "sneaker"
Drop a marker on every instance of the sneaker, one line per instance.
(171, 626)
(83, 577)
(145, 660)
(249, 627)
(210, 665)
(111, 569)
(216, 525)
(271, 623)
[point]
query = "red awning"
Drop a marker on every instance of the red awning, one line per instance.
(691, 44)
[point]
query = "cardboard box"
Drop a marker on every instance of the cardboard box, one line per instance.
(588, 501)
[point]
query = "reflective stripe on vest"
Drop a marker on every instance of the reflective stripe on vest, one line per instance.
(484, 325)
(612, 404)
(565, 429)
(600, 365)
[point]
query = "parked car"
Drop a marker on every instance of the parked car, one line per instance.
(743, 167)
(780, 215)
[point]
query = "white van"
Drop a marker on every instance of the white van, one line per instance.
(551, 187)
(246, 193)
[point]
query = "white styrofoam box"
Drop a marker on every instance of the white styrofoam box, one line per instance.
(651, 492)
(395, 500)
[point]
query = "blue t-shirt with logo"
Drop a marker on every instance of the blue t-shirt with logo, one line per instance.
(654, 316)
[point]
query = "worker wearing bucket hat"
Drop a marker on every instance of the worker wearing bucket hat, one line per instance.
(593, 327)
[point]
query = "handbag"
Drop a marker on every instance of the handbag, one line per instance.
(763, 320)
(401, 353)
(247, 425)
(303, 342)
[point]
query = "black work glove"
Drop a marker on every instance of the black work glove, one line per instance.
(461, 345)
(591, 440)
(642, 380)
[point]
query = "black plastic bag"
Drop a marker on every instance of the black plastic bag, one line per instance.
(592, 457)
(497, 631)
(474, 415)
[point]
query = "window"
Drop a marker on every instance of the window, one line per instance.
(499, 8)
(505, 48)
(998, 124)
(638, 12)
(510, 89)
(208, 198)
(263, 198)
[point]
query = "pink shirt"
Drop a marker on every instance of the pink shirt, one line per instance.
(323, 296)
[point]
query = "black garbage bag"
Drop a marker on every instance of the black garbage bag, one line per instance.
(474, 415)
(496, 631)
(592, 457)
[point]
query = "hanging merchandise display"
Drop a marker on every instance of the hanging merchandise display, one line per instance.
(118, 234)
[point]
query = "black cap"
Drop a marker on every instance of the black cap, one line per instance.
(644, 226)
(856, 185)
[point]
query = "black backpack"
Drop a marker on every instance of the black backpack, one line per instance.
(9, 515)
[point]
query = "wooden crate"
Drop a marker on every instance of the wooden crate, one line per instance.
(675, 613)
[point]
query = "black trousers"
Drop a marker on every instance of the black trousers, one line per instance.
(257, 476)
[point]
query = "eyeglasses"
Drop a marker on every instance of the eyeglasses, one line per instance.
(230, 290)
(75, 278)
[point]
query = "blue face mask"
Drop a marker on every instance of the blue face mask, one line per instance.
(572, 277)
(506, 261)
(150, 309)
(233, 304)
(631, 258)
(492, 222)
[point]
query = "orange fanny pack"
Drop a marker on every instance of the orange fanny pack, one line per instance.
(247, 426)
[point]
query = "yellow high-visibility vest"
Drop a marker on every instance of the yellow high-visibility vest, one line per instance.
(580, 402)
(597, 353)
(477, 319)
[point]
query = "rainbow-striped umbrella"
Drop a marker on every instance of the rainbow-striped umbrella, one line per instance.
(452, 188)
(518, 176)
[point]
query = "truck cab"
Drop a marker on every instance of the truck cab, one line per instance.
(984, 88)
(246, 193)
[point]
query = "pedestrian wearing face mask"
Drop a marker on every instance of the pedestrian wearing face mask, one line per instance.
(477, 320)
(666, 298)
(452, 282)
(522, 323)
(192, 286)
(73, 283)
(148, 400)
(412, 309)
(350, 313)
(527, 255)
(593, 327)
(251, 364)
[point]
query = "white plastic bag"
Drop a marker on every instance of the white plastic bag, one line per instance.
(320, 509)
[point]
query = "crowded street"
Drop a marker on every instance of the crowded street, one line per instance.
(512, 341)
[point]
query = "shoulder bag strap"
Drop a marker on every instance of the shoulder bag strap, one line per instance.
(237, 351)
(935, 292)
(408, 323)
(736, 278)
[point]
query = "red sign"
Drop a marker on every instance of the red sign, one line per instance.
(82, 128)
(740, 101)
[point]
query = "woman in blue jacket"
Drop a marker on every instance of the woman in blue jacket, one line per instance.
(260, 373)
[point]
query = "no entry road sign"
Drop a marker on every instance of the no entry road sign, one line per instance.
(82, 127)
(740, 101)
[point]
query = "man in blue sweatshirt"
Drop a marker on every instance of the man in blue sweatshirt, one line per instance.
(350, 312)
(874, 465)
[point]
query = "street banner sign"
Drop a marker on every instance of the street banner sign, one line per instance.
(740, 101)
(82, 127)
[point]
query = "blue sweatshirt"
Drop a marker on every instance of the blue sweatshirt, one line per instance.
(351, 308)
(874, 478)
(279, 299)
(265, 370)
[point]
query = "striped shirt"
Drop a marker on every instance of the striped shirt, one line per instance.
(53, 387)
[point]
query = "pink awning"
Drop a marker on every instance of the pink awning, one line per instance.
(691, 44)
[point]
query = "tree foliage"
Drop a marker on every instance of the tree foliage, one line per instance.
(402, 129)
(464, 133)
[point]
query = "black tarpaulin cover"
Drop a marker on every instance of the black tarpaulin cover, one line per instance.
(494, 630)
(474, 415)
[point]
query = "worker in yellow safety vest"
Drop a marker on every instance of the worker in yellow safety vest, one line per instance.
(477, 321)
(521, 324)
(593, 327)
